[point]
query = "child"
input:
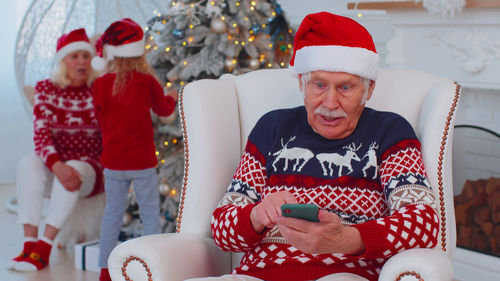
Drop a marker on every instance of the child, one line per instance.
(123, 98)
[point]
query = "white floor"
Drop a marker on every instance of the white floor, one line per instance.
(11, 239)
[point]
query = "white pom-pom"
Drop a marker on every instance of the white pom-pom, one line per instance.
(98, 63)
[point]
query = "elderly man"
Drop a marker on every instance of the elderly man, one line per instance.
(361, 167)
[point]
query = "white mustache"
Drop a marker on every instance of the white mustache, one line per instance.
(337, 113)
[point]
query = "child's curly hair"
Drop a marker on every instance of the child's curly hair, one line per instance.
(123, 67)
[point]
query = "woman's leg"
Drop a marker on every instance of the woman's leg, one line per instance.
(61, 204)
(33, 183)
(117, 186)
(148, 199)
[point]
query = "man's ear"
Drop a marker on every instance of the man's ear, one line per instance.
(370, 89)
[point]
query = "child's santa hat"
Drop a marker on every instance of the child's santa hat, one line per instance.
(72, 41)
(123, 38)
(329, 42)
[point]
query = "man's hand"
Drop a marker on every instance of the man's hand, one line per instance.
(328, 235)
(267, 212)
(68, 176)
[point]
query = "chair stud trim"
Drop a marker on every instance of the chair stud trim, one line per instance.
(134, 258)
(440, 167)
(409, 273)
(186, 160)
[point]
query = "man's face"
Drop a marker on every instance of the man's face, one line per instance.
(334, 102)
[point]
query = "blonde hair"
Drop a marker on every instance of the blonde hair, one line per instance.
(123, 67)
(59, 76)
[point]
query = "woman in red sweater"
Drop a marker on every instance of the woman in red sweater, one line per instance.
(123, 100)
(67, 138)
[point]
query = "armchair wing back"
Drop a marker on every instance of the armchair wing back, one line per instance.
(216, 118)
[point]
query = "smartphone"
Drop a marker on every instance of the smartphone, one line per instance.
(302, 211)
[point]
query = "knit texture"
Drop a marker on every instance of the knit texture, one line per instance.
(125, 120)
(66, 128)
(374, 180)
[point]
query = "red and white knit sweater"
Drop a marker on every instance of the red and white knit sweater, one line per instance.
(66, 128)
(374, 180)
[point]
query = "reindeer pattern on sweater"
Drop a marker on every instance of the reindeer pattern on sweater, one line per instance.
(374, 180)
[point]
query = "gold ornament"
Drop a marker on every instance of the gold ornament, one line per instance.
(230, 64)
(218, 26)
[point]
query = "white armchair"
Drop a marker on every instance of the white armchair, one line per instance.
(217, 116)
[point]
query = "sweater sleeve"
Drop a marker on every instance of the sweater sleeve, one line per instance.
(162, 105)
(231, 226)
(43, 113)
(412, 221)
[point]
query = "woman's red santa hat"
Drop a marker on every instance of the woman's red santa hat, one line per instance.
(329, 42)
(123, 38)
(72, 41)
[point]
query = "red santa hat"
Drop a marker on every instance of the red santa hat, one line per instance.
(329, 42)
(123, 38)
(72, 41)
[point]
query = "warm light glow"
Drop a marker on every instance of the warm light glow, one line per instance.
(237, 3)
(173, 3)
(146, 28)
(242, 43)
(191, 26)
(190, 39)
(253, 3)
(184, 43)
(173, 192)
(282, 64)
(157, 153)
(360, 15)
(163, 161)
(252, 8)
(269, 65)
(236, 42)
(212, 3)
(290, 30)
(251, 39)
(182, 83)
(167, 49)
(151, 37)
(245, 18)
(148, 47)
(192, 5)
(289, 46)
(169, 84)
(185, 62)
(155, 48)
(223, 18)
(251, 31)
(234, 25)
(274, 14)
(270, 45)
(159, 14)
(263, 25)
(164, 21)
(233, 61)
(165, 143)
(174, 141)
(229, 37)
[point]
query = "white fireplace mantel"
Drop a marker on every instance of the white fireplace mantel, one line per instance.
(465, 48)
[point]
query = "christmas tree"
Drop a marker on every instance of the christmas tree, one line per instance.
(205, 39)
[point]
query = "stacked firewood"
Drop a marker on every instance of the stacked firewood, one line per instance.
(477, 212)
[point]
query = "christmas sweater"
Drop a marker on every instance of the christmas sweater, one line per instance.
(373, 179)
(125, 120)
(66, 128)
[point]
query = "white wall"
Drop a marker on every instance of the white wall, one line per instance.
(16, 136)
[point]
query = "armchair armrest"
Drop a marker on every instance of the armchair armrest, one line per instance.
(171, 256)
(419, 264)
